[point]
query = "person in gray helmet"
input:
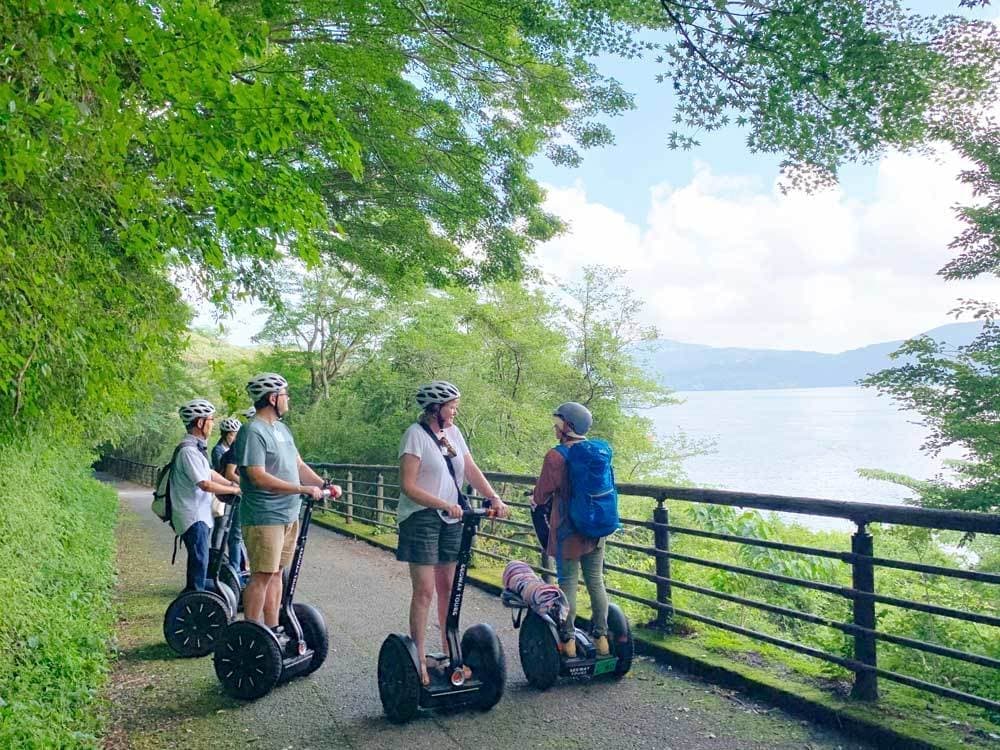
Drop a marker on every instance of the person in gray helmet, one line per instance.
(571, 550)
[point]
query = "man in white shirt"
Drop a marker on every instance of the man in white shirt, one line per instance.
(192, 484)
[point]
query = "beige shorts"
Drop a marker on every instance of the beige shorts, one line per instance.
(270, 548)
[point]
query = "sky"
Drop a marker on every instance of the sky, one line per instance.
(720, 257)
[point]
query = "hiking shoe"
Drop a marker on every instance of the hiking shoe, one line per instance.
(569, 648)
(601, 644)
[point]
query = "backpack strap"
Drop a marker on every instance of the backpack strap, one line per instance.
(463, 501)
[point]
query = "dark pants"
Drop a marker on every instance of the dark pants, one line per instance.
(196, 540)
(235, 543)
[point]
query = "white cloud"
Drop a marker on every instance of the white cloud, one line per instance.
(726, 261)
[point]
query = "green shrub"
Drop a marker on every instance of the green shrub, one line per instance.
(58, 549)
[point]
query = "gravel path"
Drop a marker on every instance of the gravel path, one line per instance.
(363, 593)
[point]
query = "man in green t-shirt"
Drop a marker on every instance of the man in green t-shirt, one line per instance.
(273, 477)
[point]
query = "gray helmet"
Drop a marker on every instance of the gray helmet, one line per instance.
(249, 413)
(261, 385)
(576, 416)
(436, 392)
(230, 424)
(195, 409)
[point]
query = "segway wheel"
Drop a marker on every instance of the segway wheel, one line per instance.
(483, 654)
(539, 652)
(229, 576)
(315, 632)
(247, 660)
(621, 637)
(194, 623)
(398, 681)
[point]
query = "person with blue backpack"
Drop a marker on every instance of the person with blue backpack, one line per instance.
(574, 508)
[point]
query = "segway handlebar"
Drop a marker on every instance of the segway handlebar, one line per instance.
(328, 491)
(480, 512)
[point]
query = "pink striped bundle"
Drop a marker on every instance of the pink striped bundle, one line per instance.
(542, 597)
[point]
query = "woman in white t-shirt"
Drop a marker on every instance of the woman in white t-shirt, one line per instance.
(430, 529)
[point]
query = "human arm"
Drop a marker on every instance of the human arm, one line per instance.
(409, 465)
(264, 481)
(482, 485)
(549, 479)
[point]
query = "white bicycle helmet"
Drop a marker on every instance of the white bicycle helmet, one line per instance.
(261, 385)
(195, 409)
(249, 413)
(230, 424)
(436, 392)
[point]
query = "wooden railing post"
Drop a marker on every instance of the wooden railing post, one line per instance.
(350, 497)
(661, 540)
(379, 496)
(863, 574)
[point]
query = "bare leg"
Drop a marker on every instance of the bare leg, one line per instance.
(255, 594)
(422, 578)
(444, 573)
(272, 599)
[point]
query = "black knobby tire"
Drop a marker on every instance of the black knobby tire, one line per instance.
(621, 640)
(229, 576)
(483, 654)
(539, 652)
(398, 681)
(194, 622)
(315, 633)
(247, 660)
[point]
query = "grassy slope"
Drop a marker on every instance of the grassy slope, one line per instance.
(57, 543)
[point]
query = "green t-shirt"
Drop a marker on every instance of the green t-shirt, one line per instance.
(270, 446)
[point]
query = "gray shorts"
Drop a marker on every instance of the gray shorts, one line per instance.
(425, 539)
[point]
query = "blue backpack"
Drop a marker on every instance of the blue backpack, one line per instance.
(593, 500)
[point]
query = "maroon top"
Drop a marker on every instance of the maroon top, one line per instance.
(553, 487)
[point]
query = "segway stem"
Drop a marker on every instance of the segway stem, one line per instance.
(470, 523)
(220, 535)
(288, 593)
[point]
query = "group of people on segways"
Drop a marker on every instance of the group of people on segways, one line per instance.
(264, 480)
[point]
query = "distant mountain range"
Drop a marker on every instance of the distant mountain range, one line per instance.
(692, 367)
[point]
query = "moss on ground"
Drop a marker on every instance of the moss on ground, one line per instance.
(157, 700)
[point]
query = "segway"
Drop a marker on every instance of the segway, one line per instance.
(194, 620)
(399, 684)
(251, 658)
(541, 651)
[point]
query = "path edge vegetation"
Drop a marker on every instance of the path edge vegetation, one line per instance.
(57, 541)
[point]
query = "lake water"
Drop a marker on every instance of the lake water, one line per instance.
(807, 442)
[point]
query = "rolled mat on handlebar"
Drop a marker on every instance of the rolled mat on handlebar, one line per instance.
(519, 578)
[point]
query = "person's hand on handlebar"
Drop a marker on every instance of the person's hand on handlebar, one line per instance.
(499, 507)
(333, 490)
(316, 493)
(453, 510)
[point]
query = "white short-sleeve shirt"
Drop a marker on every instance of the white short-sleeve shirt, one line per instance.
(433, 476)
(189, 503)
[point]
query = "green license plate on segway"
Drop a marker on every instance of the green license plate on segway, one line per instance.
(603, 666)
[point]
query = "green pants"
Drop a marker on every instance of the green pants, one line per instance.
(593, 576)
